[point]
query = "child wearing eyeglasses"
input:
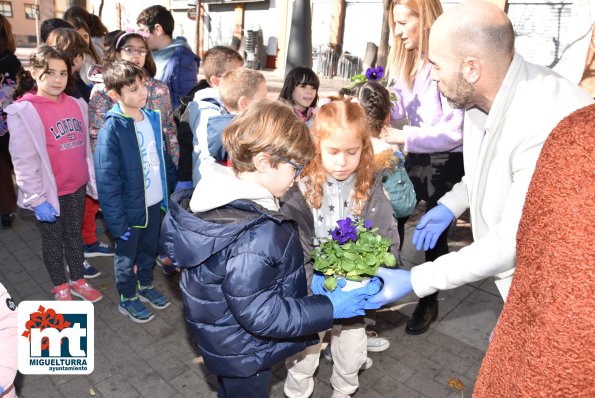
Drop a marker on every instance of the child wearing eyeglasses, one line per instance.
(131, 46)
(243, 281)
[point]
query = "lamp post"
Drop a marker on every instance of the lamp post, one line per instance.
(299, 48)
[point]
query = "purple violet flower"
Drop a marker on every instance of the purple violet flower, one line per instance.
(368, 224)
(375, 74)
(345, 231)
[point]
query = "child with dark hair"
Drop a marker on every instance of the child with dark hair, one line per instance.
(177, 65)
(300, 89)
(98, 32)
(53, 165)
(50, 24)
(132, 171)
(74, 46)
(131, 46)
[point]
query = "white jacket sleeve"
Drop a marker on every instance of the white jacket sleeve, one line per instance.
(494, 252)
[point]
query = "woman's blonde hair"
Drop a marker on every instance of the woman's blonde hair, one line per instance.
(403, 63)
(338, 116)
(270, 127)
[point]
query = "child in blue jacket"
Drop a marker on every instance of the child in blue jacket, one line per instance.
(132, 169)
(243, 281)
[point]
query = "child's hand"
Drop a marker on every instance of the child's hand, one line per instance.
(45, 212)
(394, 136)
(125, 235)
(351, 303)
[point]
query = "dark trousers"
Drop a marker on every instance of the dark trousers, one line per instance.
(65, 234)
(139, 249)
(432, 175)
(8, 197)
(256, 386)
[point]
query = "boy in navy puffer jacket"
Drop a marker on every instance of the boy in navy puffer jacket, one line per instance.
(243, 280)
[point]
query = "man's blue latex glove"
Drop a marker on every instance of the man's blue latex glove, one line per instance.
(351, 303)
(431, 226)
(125, 235)
(397, 283)
(181, 185)
(45, 212)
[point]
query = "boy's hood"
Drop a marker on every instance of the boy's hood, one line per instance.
(190, 239)
(220, 186)
(175, 43)
(207, 93)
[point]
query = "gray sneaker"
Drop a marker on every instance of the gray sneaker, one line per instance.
(375, 343)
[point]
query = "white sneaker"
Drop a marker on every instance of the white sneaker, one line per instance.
(375, 343)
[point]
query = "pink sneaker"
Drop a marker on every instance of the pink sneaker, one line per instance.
(62, 292)
(83, 290)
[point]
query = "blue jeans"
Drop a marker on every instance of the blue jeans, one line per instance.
(139, 249)
(256, 386)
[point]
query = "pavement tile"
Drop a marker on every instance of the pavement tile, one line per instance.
(169, 365)
(193, 383)
(43, 386)
(473, 320)
(445, 375)
(152, 384)
(116, 386)
(77, 386)
(427, 386)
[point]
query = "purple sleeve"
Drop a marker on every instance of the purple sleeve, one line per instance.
(433, 126)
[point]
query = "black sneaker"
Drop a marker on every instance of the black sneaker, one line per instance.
(98, 249)
(90, 271)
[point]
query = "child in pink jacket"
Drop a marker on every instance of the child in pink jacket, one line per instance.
(53, 166)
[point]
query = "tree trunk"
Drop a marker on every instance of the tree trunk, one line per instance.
(100, 9)
(384, 35)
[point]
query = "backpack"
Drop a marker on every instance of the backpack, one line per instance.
(400, 190)
(7, 86)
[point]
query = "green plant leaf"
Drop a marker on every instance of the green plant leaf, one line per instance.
(330, 283)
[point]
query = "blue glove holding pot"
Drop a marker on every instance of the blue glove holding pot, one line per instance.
(431, 226)
(396, 284)
(346, 304)
(45, 212)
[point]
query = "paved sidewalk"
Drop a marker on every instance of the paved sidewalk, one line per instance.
(159, 359)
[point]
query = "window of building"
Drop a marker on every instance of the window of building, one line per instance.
(30, 11)
(6, 8)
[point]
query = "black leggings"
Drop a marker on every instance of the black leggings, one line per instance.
(63, 238)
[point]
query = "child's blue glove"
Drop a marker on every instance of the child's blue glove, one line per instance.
(351, 303)
(181, 185)
(45, 212)
(397, 283)
(431, 226)
(125, 235)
